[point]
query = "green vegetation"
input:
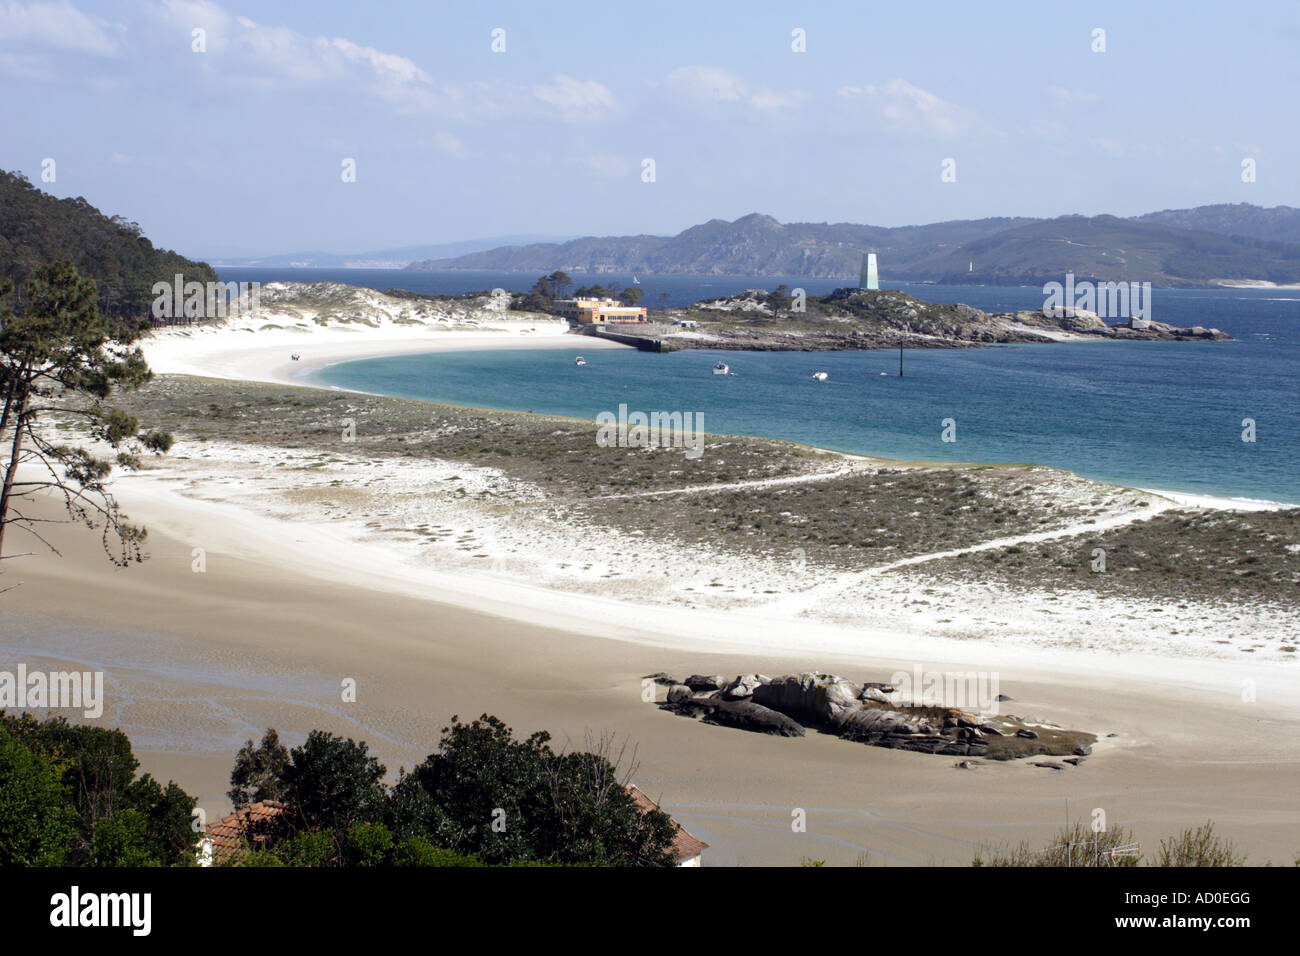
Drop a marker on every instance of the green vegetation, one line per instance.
(1199, 847)
(1079, 845)
(541, 297)
(36, 228)
(63, 357)
(483, 798)
(1247, 558)
(69, 796)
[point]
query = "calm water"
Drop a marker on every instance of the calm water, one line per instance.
(1159, 415)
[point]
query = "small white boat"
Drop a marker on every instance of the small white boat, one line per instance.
(580, 361)
(821, 376)
(721, 369)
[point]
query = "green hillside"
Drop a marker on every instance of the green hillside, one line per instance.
(36, 227)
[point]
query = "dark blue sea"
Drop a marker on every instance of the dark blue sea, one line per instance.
(1163, 415)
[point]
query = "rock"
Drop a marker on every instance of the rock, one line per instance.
(873, 725)
(1049, 764)
(744, 686)
(661, 678)
(1112, 735)
(1074, 761)
(1003, 697)
(702, 682)
(1027, 734)
(964, 764)
(991, 731)
(747, 715)
(872, 692)
(678, 693)
(1083, 750)
(815, 698)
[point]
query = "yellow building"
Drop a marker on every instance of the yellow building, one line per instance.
(600, 311)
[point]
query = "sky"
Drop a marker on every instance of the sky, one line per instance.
(471, 120)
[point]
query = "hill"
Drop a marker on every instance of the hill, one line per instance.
(1281, 223)
(754, 245)
(1114, 249)
(36, 227)
(990, 251)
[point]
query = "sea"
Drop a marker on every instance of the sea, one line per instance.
(1218, 419)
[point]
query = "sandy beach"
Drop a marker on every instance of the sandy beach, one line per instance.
(311, 576)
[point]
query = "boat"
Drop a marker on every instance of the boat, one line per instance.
(580, 361)
(821, 376)
(721, 369)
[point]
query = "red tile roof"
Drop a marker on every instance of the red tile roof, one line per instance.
(685, 846)
(230, 834)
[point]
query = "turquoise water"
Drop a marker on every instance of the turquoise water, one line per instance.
(1164, 415)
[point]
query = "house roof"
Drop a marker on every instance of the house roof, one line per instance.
(685, 846)
(228, 833)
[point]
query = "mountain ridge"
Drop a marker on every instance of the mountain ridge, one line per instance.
(1236, 242)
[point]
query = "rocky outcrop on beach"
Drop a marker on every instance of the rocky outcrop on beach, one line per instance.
(873, 713)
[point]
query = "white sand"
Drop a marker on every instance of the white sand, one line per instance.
(241, 353)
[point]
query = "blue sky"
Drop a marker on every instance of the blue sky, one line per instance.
(238, 150)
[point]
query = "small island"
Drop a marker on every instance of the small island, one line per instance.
(847, 318)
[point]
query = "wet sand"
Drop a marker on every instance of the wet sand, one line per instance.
(195, 663)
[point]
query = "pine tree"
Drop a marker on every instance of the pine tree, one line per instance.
(62, 357)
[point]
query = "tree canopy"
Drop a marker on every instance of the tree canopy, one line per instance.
(484, 797)
(36, 228)
(69, 795)
(62, 357)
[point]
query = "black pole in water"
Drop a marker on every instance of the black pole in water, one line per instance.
(900, 361)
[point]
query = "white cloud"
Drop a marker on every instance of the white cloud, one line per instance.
(773, 100)
(388, 67)
(714, 84)
(910, 107)
(577, 101)
(59, 25)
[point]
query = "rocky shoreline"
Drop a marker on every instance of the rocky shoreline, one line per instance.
(875, 713)
(848, 319)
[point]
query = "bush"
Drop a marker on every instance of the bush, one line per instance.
(1199, 847)
(36, 825)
